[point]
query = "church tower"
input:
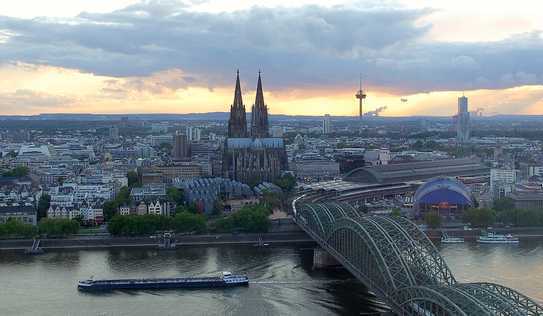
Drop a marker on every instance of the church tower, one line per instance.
(259, 114)
(237, 123)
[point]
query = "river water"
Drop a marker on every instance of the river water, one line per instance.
(282, 281)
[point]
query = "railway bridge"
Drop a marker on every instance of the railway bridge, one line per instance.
(397, 262)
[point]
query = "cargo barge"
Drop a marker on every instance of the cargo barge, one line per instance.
(227, 279)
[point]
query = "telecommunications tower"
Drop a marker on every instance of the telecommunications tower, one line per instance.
(360, 95)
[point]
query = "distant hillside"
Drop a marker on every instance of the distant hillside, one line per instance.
(223, 116)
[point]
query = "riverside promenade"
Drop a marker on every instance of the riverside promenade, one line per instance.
(105, 241)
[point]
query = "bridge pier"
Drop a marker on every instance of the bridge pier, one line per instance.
(322, 259)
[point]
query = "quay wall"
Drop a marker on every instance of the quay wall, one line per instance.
(89, 242)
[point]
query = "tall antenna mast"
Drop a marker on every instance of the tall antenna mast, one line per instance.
(360, 95)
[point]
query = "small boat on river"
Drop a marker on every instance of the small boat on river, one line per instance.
(493, 238)
(446, 239)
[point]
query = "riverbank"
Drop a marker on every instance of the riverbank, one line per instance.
(94, 242)
(523, 233)
(285, 234)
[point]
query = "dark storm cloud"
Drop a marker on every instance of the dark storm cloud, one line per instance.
(310, 46)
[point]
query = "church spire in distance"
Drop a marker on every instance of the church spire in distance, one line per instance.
(259, 113)
(259, 101)
(237, 123)
(238, 101)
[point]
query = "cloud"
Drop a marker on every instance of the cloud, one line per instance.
(31, 101)
(159, 83)
(309, 46)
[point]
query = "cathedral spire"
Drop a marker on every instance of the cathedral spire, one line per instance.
(237, 124)
(259, 101)
(259, 113)
(238, 101)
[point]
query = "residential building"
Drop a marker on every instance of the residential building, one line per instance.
(181, 147)
(462, 121)
(24, 214)
(376, 157)
(124, 210)
(154, 191)
(194, 134)
(502, 182)
(326, 124)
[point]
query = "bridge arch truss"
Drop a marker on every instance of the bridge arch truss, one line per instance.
(398, 262)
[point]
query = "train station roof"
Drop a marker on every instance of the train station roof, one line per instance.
(417, 171)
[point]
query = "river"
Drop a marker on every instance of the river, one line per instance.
(282, 281)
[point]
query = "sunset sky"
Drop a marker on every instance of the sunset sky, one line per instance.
(154, 56)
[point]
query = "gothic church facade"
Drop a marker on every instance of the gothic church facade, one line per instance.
(252, 156)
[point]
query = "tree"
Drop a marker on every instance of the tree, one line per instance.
(79, 219)
(528, 217)
(19, 171)
(133, 179)
(123, 197)
(43, 205)
(218, 207)
(191, 208)
(16, 228)
(480, 217)
(503, 204)
(134, 225)
(175, 195)
(252, 219)
(189, 222)
(396, 212)
(110, 209)
(272, 199)
(287, 182)
(58, 227)
(432, 219)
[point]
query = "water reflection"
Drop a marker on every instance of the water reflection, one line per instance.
(282, 280)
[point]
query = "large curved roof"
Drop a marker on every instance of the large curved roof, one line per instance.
(442, 189)
(420, 170)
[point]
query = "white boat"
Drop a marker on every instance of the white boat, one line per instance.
(493, 238)
(446, 239)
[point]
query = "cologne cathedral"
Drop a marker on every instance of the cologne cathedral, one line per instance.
(252, 156)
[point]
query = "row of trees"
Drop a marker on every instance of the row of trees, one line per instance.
(250, 219)
(515, 217)
(19, 171)
(503, 211)
(134, 225)
(47, 226)
(58, 227)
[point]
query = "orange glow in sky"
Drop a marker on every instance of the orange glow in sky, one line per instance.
(43, 89)
(444, 42)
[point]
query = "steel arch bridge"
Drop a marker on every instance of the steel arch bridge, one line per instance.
(398, 262)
